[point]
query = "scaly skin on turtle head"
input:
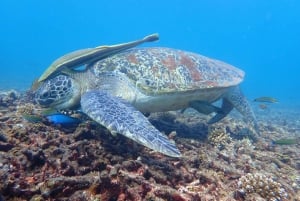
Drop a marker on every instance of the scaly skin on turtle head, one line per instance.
(59, 92)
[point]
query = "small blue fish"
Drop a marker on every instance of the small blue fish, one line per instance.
(62, 119)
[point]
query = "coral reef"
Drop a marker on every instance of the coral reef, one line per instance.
(27, 108)
(263, 185)
(42, 161)
(8, 98)
(218, 136)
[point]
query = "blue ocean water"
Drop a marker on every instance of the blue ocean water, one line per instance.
(260, 37)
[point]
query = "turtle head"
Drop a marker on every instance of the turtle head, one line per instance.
(60, 92)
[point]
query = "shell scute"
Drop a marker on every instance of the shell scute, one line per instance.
(165, 70)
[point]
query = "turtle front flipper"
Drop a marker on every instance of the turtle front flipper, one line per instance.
(120, 117)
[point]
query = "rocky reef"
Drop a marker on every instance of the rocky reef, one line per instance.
(42, 161)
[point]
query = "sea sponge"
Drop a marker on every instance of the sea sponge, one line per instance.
(266, 187)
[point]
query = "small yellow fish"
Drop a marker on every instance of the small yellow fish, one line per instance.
(266, 99)
(32, 118)
(286, 141)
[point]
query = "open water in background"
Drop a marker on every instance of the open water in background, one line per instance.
(259, 36)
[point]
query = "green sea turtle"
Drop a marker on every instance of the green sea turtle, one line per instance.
(89, 55)
(117, 90)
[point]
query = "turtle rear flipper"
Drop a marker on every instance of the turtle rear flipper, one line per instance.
(208, 108)
(120, 117)
(204, 107)
(239, 101)
(223, 112)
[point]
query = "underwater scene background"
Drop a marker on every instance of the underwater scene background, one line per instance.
(260, 37)
(42, 161)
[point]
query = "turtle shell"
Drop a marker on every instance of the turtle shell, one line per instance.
(165, 70)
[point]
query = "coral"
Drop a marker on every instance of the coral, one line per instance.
(218, 137)
(244, 146)
(263, 185)
(8, 98)
(27, 108)
(40, 161)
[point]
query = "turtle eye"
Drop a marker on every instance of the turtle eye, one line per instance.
(44, 98)
(46, 94)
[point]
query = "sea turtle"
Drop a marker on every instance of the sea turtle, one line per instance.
(89, 55)
(117, 90)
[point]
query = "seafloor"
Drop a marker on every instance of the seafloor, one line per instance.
(40, 161)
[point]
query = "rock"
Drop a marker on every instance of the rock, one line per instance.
(5, 146)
